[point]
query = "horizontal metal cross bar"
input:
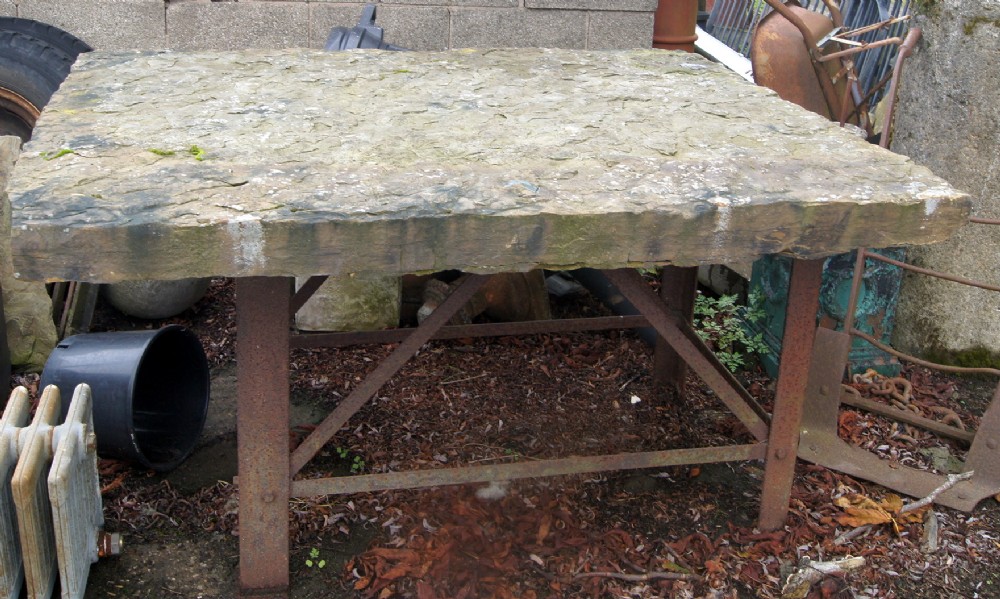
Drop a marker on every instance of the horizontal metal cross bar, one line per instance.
(496, 472)
(492, 329)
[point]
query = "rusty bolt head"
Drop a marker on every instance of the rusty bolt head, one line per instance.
(780, 454)
(824, 390)
(992, 444)
(109, 544)
(269, 497)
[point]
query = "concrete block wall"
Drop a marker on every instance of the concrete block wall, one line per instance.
(413, 24)
(949, 120)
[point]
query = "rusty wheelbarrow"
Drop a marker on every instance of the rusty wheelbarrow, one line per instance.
(807, 57)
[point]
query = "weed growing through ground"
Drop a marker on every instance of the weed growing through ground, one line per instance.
(357, 463)
(719, 321)
(314, 559)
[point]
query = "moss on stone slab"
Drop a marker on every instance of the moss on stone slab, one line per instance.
(974, 357)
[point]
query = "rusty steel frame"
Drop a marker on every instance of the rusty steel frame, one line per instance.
(678, 288)
(262, 424)
(265, 307)
(822, 445)
(459, 331)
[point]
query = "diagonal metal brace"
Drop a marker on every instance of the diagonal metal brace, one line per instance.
(689, 347)
(385, 370)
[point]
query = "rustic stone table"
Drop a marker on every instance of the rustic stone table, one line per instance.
(265, 165)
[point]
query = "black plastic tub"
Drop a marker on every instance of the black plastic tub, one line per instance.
(150, 391)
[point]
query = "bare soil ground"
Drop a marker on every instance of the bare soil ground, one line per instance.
(677, 532)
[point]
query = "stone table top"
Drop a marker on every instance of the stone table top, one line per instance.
(168, 165)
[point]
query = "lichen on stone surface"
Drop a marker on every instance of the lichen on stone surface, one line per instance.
(303, 162)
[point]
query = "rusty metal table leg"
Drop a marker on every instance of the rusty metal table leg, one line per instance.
(678, 288)
(262, 307)
(793, 375)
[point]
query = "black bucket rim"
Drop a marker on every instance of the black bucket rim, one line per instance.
(122, 390)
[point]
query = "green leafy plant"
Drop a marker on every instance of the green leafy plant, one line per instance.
(314, 559)
(356, 463)
(719, 321)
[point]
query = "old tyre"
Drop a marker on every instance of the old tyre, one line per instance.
(35, 58)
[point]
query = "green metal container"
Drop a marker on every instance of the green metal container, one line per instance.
(876, 306)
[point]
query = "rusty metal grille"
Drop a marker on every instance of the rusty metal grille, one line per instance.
(820, 442)
(859, 266)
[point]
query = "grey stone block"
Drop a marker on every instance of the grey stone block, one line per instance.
(493, 160)
(238, 25)
(519, 28)
(620, 30)
(615, 5)
(411, 27)
(955, 133)
(30, 334)
(104, 24)
(8, 9)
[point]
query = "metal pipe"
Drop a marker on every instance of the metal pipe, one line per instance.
(933, 273)
(924, 363)
(674, 23)
(904, 51)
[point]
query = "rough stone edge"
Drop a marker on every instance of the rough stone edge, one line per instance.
(31, 332)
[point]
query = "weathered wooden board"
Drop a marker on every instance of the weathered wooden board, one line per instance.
(171, 165)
